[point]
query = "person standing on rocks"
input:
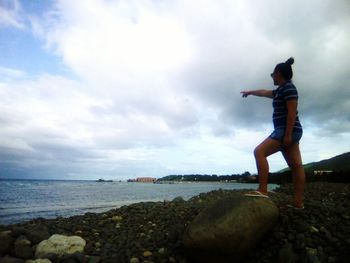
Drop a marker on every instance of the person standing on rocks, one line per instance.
(286, 135)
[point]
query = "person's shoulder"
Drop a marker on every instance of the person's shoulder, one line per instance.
(288, 86)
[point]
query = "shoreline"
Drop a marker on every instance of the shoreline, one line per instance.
(321, 231)
(90, 197)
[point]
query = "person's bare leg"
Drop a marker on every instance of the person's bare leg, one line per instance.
(262, 151)
(293, 158)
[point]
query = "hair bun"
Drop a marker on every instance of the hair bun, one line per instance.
(290, 61)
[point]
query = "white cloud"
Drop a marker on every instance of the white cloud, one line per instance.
(156, 86)
(11, 14)
(9, 73)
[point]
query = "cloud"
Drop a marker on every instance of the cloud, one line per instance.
(240, 48)
(9, 73)
(153, 87)
(10, 14)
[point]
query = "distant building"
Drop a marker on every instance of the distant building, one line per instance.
(146, 179)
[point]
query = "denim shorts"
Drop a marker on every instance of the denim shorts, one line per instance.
(278, 135)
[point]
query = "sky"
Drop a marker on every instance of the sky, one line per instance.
(130, 88)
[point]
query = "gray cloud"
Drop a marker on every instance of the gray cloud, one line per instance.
(229, 62)
(156, 81)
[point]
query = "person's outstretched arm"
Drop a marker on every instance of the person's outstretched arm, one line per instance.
(259, 93)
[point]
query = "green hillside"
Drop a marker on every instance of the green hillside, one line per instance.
(338, 163)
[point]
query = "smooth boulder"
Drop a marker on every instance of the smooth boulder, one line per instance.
(6, 242)
(38, 233)
(229, 228)
(60, 245)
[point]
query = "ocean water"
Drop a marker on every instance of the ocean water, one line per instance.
(22, 200)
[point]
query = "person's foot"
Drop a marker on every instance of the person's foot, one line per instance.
(256, 194)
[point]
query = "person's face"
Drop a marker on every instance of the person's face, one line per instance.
(276, 76)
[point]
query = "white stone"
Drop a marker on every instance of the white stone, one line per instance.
(117, 218)
(39, 260)
(60, 245)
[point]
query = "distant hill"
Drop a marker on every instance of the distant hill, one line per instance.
(338, 163)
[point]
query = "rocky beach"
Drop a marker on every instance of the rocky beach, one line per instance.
(153, 231)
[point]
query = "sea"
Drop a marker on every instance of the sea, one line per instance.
(23, 200)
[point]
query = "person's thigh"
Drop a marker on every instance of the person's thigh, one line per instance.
(267, 147)
(292, 155)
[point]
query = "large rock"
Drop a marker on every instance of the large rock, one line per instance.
(229, 228)
(60, 245)
(23, 251)
(6, 242)
(8, 259)
(38, 234)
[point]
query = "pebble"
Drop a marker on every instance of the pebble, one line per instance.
(134, 260)
(39, 260)
(117, 218)
(314, 229)
(161, 250)
(147, 253)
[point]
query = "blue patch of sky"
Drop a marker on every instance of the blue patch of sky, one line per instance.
(37, 6)
(21, 50)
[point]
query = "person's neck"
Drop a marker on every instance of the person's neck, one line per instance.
(281, 82)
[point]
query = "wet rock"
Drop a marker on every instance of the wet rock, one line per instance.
(22, 240)
(229, 228)
(39, 260)
(38, 234)
(117, 218)
(311, 254)
(147, 253)
(8, 259)
(287, 255)
(134, 260)
(94, 259)
(18, 231)
(314, 229)
(6, 242)
(23, 251)
(60, 245)
(73, 258)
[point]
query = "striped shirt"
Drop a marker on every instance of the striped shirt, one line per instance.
(280, 97)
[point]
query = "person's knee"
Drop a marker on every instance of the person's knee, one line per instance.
(258, 152)
(295, 165)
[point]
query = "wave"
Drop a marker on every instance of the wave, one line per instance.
(15, 215)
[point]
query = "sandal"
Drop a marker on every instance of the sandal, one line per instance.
(256, 194)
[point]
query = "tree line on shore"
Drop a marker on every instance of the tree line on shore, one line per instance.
(206, 177)
(340, 176)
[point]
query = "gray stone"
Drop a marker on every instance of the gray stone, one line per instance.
(287, 255)
(311, 254)
(229, 228)
(6, 242)
(23, 251)
(38, 234)
(39, 260)
(60, 245)
(11, 260)
(22, 240)
(94, 259)
(18, 230)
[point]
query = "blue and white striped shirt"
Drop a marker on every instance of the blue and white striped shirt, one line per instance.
(280, 97)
